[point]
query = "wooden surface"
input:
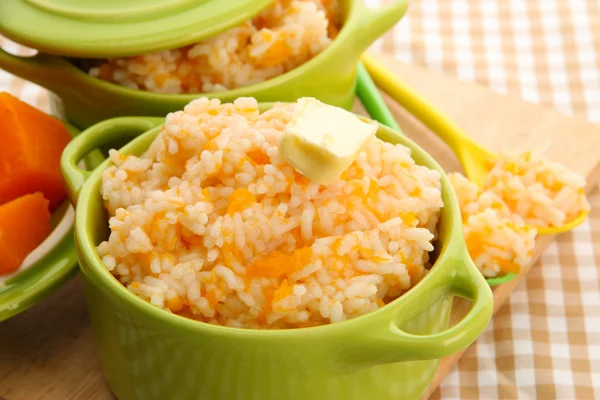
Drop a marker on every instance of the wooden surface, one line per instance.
(47, 351)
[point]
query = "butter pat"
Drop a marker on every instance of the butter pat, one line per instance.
(322, 141)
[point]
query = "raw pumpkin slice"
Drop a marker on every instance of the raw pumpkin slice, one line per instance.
(24, 224)
(32, 143)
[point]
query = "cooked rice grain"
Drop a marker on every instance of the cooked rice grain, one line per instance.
(282, 37)
(212, 224)
(544, 193)
(497, 245)
(521, 193)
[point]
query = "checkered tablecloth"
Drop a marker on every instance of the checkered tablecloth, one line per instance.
(545, 342)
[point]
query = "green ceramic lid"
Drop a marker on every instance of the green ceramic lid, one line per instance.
(111, 28)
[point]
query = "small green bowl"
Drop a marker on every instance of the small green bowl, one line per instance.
(149, 353)
(330, 76)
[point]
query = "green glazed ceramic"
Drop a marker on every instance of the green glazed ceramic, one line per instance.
(112, 28)
(329, 77)
(54, 261)
(148, 353)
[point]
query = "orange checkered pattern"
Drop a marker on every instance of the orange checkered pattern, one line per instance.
(544, 343)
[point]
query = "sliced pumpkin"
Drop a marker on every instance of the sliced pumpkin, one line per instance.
(32, 143)
(24, 224)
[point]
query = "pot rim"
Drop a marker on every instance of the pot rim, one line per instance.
(360, 27)
(438, 279)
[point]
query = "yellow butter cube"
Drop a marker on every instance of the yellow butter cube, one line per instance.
(322, 141)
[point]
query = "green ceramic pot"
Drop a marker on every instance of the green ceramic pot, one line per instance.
(148, 353)
(330, 76)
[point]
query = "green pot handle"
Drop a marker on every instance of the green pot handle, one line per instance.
(389, 343)
(374, 22)
(103, 133)
(472, 286)
(37, 69)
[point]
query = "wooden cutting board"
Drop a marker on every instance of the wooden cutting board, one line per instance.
(47, 352)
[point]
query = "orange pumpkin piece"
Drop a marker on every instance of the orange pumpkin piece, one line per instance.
(278, 264)
(32, 143)
(24, 224)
